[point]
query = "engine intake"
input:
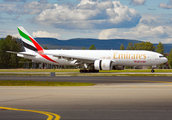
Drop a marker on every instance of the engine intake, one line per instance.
(102, 64)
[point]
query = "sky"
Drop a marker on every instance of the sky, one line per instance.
(145, 20)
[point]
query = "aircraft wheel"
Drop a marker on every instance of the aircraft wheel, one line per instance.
(84, 71)
(80, 71)
(152, 70)
(88, 71)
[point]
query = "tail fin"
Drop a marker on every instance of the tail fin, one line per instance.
(29, 42)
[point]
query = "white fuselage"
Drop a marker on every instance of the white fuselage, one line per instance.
(119, 57)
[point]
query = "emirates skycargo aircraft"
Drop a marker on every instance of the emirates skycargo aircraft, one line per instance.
(91, 60)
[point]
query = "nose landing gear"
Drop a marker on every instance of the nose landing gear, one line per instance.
(153, 67)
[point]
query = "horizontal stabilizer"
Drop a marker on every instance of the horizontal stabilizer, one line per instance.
(22, 53)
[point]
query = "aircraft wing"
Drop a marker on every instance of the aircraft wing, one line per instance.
(78, 59)
(22, 53)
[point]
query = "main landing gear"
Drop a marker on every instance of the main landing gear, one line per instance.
(152, 70)
(89, 71)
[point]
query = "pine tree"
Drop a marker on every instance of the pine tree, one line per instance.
(130, 46)
(45, 48)
(83, 48)
(160, 48)
(92, 47)
(122, 47)
(8, 60)
(170, 58)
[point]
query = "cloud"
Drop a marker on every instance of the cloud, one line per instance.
(89, 14)
(32, 8)
(46, 34)
(7, 8)
(141, 32)
(2, 32)
(15, 0)
(151, 9)
(43, 1)
(166, 6)
(171, 19)
(146, 30)
(16, 35)
(150, 19)
(155, 20)
(137, 2)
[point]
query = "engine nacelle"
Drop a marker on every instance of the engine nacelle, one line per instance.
(103, 64)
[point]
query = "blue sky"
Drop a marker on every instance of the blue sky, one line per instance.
(145, 20)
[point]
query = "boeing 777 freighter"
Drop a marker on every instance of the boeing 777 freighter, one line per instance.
(91, 60)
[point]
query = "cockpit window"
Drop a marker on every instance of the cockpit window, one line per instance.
(161, 56)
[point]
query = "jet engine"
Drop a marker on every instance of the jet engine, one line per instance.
(103, 64)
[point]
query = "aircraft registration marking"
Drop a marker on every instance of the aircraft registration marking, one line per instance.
(50, 115)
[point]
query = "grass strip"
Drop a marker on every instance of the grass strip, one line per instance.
(90, 74)
(39, 70)
(41, 83)
(12, 74)
(77, 70)
(85, 74)
(138, 70)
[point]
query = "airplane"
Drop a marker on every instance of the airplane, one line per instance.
(90, 60)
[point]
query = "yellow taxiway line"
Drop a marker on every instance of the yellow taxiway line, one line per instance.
(50, 115)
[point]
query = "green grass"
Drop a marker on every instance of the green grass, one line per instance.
(77, 70)
(26, 74)
(88, 74)
(139, 70)
(116, 74)
(39, 70)
(41, 83)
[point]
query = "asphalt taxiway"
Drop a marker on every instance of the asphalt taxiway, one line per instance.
(91, 79)
(113, 98)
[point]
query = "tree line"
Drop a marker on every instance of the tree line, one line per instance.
(144, 46)
(150, 47)
(8, 60)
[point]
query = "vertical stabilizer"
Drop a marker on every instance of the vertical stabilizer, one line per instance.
(29, 42)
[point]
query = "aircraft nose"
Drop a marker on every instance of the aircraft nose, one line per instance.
(165, 60)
